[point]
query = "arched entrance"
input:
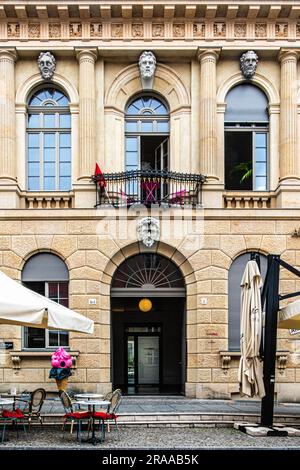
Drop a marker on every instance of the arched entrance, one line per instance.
(148, 347)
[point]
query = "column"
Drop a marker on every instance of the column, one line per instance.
(87, 114)
(7, 115)
(208, 114)
(289, 167)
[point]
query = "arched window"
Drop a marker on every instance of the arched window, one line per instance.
(246, 139)
(48, 275)
(147, 134)
(48, 141)
(234, 296)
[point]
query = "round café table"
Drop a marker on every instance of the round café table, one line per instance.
(92, 404)
(88, 396)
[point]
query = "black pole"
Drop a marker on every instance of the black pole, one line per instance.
(272, 307)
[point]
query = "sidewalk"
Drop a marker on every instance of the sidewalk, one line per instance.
(158, 410)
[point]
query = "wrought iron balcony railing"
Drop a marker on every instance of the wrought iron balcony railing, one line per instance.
(149, 187)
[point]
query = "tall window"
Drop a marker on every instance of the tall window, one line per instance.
(47, 275)
(246, 139)
(147, 134)
(48, 141)
(235, 275)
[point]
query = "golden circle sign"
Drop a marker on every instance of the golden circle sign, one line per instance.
(145, 305)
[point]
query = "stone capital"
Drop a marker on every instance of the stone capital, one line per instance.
(86, 55)
(208, 54)
(8, 54)
(288, 55)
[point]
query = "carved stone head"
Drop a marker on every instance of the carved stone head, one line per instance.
(47, 64)
(147, 64)
(148, 231)
(249, 61)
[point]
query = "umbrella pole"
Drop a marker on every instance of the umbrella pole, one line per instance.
(272, 307)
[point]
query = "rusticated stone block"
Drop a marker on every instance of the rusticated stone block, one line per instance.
(220, 259)
(65, 245)
(200, 260)
(219, 287)
(76, 260)
(24, 245)
(232, 245)
(87, 242)
(95, 259)
(274, 243)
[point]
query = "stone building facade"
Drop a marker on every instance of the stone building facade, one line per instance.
(197, 46)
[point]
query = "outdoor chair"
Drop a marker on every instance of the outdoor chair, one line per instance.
(33, 405)
(73, 416)
(110, 415)
(14, 417)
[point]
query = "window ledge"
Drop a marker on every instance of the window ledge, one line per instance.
(226, 356)
(17, 356)
(48, 199)
(249, 199)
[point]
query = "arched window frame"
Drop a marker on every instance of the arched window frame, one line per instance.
(255, 133)
(48, 142)
(53, 283)
(145, 122)
(235, 275)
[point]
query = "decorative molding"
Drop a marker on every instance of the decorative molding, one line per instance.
(136, 28)
(281, 363)
(18, 356)
(227, 356)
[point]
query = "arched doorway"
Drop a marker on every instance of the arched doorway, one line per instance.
(148, 348)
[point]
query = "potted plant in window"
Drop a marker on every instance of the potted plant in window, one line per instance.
(245, 170)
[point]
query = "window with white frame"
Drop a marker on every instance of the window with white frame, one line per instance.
(52, 282)
(48, 141)
(246, 139)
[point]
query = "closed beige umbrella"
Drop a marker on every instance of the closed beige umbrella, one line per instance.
(251, 366)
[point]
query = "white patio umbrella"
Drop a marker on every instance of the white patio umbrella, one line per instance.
(251, 366)
(289, 316)
(21, 306)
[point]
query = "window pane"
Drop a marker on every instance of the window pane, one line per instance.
(65, 154)
(131, 158)
(33, 184)
(65, 183)
(53, 338)
(65, 140)
(33, 154)
(34, 120)
(65, 120)
(163, 126)
(49, 169)
(65, 169)
(131, 126)
(53, 290)
(33, 140)
(260, 183)
(49, 120)
(261, 169)
(64, 302)
(35, 338)
(49, 140)
(33, 169)
(63, 290)
(147, 126)
(261, 154)
(49, 184)
(49, 155)
(131, 143)
(261, 140)
(63, 338)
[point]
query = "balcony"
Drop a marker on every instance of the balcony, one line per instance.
(151, 187)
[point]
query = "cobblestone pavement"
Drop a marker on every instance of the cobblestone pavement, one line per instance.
(151, 438)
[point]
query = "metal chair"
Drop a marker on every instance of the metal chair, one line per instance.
(33, 405)
(110, 415)
(73, 416)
